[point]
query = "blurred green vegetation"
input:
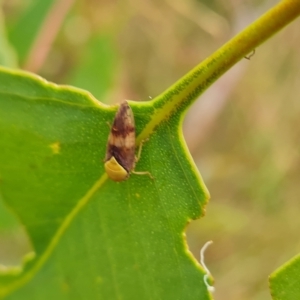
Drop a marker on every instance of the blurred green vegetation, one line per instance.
(246, 146)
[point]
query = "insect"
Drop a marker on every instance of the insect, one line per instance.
(120, 156)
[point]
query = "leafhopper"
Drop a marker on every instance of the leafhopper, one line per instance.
(120, 156)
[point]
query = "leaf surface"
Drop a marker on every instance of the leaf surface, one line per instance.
(95, 238)
(284, 282)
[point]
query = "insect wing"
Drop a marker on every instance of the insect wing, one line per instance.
(121, 140)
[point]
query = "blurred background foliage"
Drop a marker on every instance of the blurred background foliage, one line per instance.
(243, 133)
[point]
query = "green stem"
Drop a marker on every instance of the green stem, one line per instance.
(194, 83)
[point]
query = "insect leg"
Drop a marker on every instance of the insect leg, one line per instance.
(137, 159)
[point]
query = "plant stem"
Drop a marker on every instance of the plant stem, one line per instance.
(194, 83)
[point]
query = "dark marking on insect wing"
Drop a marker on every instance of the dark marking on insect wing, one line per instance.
(121, 144)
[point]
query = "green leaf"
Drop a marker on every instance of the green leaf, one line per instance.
(7, 220)
(23, 33)
(96, 69)
(284, 283)
(7, 55)
(94, 238)
(115, 238)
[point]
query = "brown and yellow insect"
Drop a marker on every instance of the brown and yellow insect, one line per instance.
(120, 152)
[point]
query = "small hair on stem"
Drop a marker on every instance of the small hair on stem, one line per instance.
(250, 55)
